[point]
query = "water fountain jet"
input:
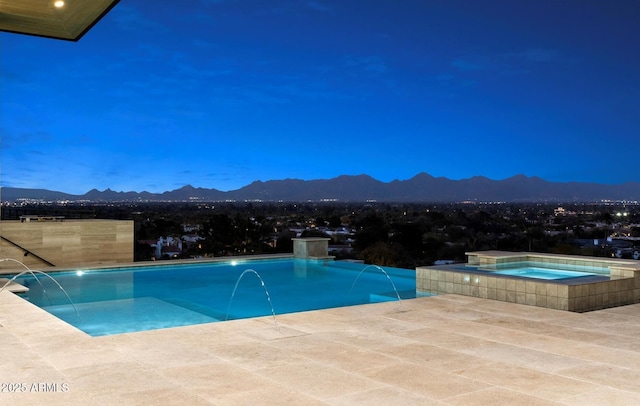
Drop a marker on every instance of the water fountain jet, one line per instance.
(33, 273)
(385, 273)
(265, 291)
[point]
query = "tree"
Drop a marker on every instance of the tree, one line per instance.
(370, 230)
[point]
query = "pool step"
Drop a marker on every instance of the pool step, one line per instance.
(13, 287)
(197, 308)
(389, 296)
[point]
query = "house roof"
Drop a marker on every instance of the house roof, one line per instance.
(67, 20)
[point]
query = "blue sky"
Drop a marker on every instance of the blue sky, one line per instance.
(219, 93)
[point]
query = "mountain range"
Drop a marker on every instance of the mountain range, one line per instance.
(361, 188)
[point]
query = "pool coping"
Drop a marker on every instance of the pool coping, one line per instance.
(158, 263)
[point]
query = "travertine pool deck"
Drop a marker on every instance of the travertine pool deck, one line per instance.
(444, 350)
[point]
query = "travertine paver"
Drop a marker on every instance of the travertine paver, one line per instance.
(445, 350)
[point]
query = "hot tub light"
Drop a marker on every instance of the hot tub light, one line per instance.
(234, 263)
(58, 4)
(79, 273)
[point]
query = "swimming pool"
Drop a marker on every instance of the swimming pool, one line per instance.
(145, 298)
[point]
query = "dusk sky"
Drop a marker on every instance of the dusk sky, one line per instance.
(220, 93)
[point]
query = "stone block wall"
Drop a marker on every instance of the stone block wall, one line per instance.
(313, 247)
(66, 244)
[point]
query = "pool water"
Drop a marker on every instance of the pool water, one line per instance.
(539, 270)
(144, 298)
(543, 273)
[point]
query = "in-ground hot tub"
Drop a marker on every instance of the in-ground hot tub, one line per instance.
(563, 282)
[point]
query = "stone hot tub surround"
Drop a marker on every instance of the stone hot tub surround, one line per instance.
(616, 283)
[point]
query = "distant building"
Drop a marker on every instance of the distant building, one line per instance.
(190, 228)
(168, 248)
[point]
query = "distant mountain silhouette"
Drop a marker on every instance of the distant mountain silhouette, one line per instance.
(360, 188)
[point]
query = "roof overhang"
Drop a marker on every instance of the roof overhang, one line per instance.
(43, 18)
